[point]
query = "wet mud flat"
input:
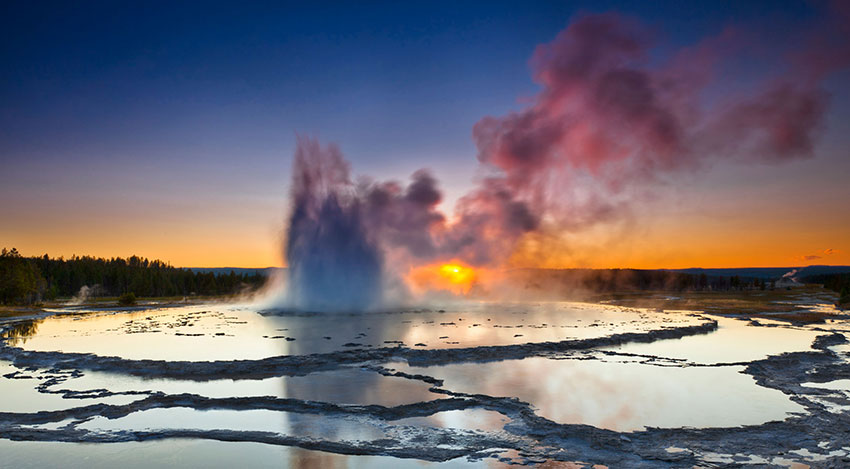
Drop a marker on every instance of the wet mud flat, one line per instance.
(568, 384)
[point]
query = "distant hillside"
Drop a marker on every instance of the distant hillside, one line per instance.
(623, 280)
(767, 273)
(838, 282)
(824, 269)
(633, 277)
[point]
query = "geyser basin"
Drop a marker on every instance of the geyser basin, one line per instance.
(622, 395)
(342, 386)
(222, 332)
(463, 384)
(205, 453)
(735, 341)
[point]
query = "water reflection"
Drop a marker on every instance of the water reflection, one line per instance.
(227, 332)
(734, 341)
(319, 427)
(622, 396)
(19, 333)
(19, 391)
(609, 391)
(470, 419)
(343, 386)
(201, 453)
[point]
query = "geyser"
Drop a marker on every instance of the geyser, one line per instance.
(333, 265)
(606, 125)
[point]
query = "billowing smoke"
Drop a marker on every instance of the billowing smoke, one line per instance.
(609, 117)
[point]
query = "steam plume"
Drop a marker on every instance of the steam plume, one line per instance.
(606, 110)
(607, 119)
(333, 263)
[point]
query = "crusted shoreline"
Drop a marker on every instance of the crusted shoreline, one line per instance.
(295, 365)
(819, 431)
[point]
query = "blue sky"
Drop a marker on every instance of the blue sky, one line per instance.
(167, 109)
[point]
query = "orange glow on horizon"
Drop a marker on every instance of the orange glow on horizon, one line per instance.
(739, 233)
(454, 276)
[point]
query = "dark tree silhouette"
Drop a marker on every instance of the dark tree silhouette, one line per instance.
(27, 280)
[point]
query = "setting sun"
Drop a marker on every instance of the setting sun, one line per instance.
(453, 276)
(458, 274)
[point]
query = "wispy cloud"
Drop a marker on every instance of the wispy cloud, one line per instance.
(820, 254)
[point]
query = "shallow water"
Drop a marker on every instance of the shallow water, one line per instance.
(622, 396)
(222, 332)
(198, 453)
(472, 419)
(479, 377)
(734, 341)
(21, 395)
(344, 386)
(286, 423)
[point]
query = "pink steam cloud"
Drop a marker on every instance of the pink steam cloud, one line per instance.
(606, 116)
(606, 110)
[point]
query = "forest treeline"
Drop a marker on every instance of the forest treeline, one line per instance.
(26, 280)
(839, 283)
(622, 280)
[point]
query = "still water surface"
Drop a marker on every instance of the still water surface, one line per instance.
(695, 381)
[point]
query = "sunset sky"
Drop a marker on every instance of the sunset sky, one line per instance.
(167, 130)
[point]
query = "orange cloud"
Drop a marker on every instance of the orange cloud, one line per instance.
(820, 254)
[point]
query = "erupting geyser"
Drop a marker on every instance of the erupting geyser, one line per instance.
(332, 263)
(607, 125)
